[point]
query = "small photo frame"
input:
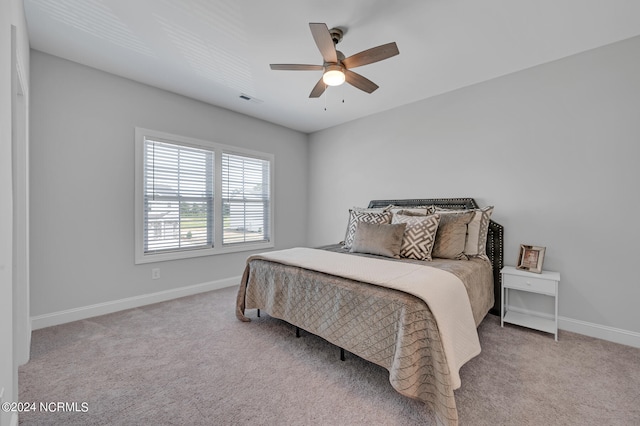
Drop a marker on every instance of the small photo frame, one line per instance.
(531, 258)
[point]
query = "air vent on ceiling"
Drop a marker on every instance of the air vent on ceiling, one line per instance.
(250, 98)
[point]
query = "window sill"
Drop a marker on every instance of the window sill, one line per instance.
(188, 254)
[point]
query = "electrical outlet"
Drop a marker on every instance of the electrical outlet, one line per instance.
(155, 273)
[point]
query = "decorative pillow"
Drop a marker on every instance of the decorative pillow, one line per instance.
(413, 212)
(452, 235)
(356, 216)
(380, 239)
(477, 230)
(421, 210)
(373, 209)
(419, 235)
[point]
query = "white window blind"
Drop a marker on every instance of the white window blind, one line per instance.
(178, 197)
(245, 199)
(196, 198)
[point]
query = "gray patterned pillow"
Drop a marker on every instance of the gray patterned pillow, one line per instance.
(452, 235)
(419, 236)
(380, 239)
(363, 216)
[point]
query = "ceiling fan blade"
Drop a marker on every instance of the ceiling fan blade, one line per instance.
(362, 83)
(320, 33)
(296, 67)
(318, 89)
(372, 55)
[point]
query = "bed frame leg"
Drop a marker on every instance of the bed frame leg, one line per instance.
(258, 313)
(341, 354)
(297, 331)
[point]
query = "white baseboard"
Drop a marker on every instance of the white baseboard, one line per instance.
(616, 335)
(75, 314)
(612, 334)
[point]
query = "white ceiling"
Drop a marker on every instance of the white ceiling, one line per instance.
(216, 50)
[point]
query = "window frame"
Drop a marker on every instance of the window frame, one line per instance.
(141, 134)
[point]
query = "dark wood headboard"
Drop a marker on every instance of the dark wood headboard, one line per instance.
(495, 236)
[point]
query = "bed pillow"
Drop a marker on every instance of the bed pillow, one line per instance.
(419, 235)
(477, 231)
(356, 216)
(380, 239)
(373, 209)
(452, 235)
(420, 210)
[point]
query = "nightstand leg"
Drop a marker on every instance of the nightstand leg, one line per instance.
(505, 303)
(556, 311)
(502, 308)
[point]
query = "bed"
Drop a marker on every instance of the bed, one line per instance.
(370, 306)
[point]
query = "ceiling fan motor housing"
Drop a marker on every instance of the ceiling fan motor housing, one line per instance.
(340, 59)
(336, 35)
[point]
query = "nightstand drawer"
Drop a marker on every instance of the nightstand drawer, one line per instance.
(537, 285)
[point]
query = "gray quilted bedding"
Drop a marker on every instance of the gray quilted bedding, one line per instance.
(387, 327)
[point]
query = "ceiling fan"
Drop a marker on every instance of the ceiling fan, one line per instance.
(337, 68)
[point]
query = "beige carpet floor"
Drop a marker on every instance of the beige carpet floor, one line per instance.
(190, 362)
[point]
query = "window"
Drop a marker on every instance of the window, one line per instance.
(197, 198)
(178, 197)
(245, 199)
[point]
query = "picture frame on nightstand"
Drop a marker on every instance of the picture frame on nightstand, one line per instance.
(531, 258)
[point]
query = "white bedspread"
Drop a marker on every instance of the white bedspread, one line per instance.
(443, 292)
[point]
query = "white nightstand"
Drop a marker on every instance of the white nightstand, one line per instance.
(545, 283)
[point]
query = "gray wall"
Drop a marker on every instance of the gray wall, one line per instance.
(82, 183)
(554, 148)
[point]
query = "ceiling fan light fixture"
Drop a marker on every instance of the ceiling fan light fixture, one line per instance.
(333, 75)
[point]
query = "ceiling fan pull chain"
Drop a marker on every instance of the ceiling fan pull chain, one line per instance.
(326, 94)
